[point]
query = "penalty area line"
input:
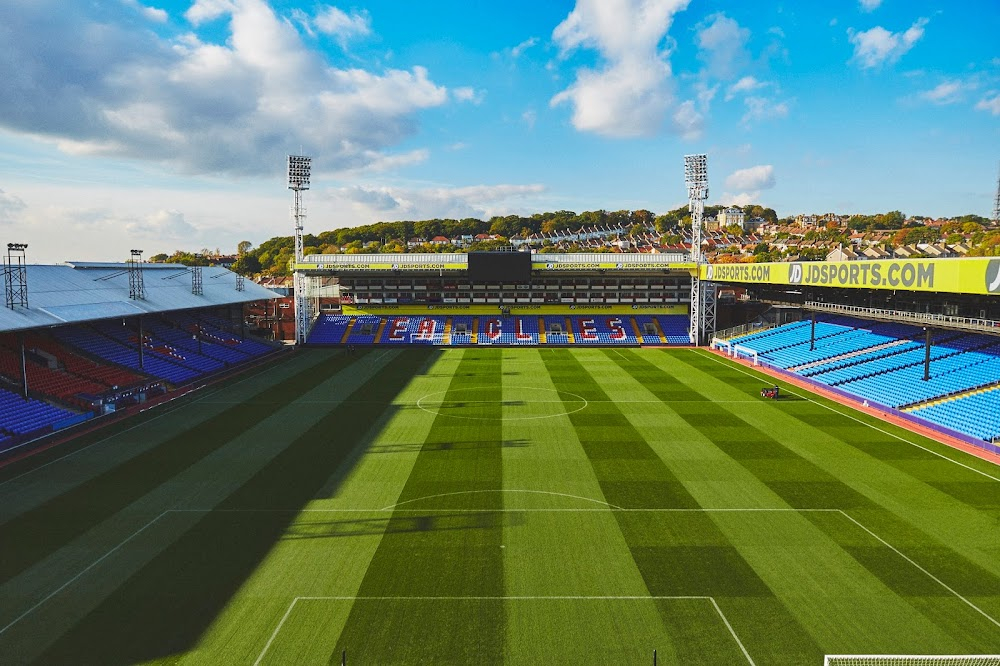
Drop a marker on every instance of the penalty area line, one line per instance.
(711, 600)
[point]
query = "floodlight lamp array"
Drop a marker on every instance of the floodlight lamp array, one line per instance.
(696, 176)
(299, 172)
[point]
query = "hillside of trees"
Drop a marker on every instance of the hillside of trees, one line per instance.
(272, 256)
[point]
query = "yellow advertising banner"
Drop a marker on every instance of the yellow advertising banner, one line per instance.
(610, 266)
(973, 275)
(445, 266)
(360, 267)
(477, 309)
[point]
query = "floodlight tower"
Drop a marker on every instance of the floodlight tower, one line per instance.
(299, 171)
(996, 204)
(696, 179)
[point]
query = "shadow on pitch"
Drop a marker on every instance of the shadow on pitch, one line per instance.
(164, 609)
(446, 446)
(403, 524)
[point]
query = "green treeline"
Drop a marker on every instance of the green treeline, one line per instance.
(273, 256)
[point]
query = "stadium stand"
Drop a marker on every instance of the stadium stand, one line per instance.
(884, 364)
(412, 330)
(977, 413)
(530, 330)
(22, 418)
(72, 351)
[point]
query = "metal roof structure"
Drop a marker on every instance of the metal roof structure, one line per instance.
(85, 291)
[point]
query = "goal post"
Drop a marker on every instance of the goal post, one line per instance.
(911, 660)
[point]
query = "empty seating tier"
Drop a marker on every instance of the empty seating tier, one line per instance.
(884, 363)
(500, 329)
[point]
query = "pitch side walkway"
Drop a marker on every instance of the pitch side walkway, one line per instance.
(890, 417)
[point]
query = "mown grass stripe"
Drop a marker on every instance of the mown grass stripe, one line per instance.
(165, 607)
(803, 484)
(432, 555)
(702, 563)
(69, 515)
(764, 456)
(799, 482)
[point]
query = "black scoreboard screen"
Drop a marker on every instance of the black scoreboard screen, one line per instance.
(500, 267)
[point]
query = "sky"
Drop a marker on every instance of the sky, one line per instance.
(165, 124)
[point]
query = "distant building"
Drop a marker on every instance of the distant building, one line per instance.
(730, 216)
(841, 254)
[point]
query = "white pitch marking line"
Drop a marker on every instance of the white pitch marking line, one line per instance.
(731, 630)
(854, 418)
(395, 510)
(580, 398)
(81, 573)
(925, 571)
(711, 600)
(274, 635)
(610, 509)
(504, 490)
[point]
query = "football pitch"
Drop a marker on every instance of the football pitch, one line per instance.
(485, 506)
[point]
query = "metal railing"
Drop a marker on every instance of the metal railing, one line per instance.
(408, 259)
(921, 318)
(626, 260)
(743, 329)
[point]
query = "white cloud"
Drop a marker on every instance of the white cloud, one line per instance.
(11, 207)
(236, 106)
(469, 94)
(760, 177)
(878, 46)
(630, 94)
(338, 23)
(163, 225)
(518, 50)
(740, 199)
(529, 117)
(744, 85)
(387, 203)
(947, 92)
(763, 108)
(722, 46)
(869, 5)
(990, 104)
(688, 121)
(202, 11)
(150, 13)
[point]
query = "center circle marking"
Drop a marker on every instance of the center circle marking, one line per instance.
(436, 409)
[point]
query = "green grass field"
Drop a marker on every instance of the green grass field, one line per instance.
(522, 506)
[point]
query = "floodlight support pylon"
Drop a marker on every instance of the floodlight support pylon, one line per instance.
(996, 203)
(15, 275)
(696, 180)
(299, 175)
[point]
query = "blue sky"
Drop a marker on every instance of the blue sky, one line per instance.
(163, 124)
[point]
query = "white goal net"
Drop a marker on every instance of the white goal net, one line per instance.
(911, 660)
